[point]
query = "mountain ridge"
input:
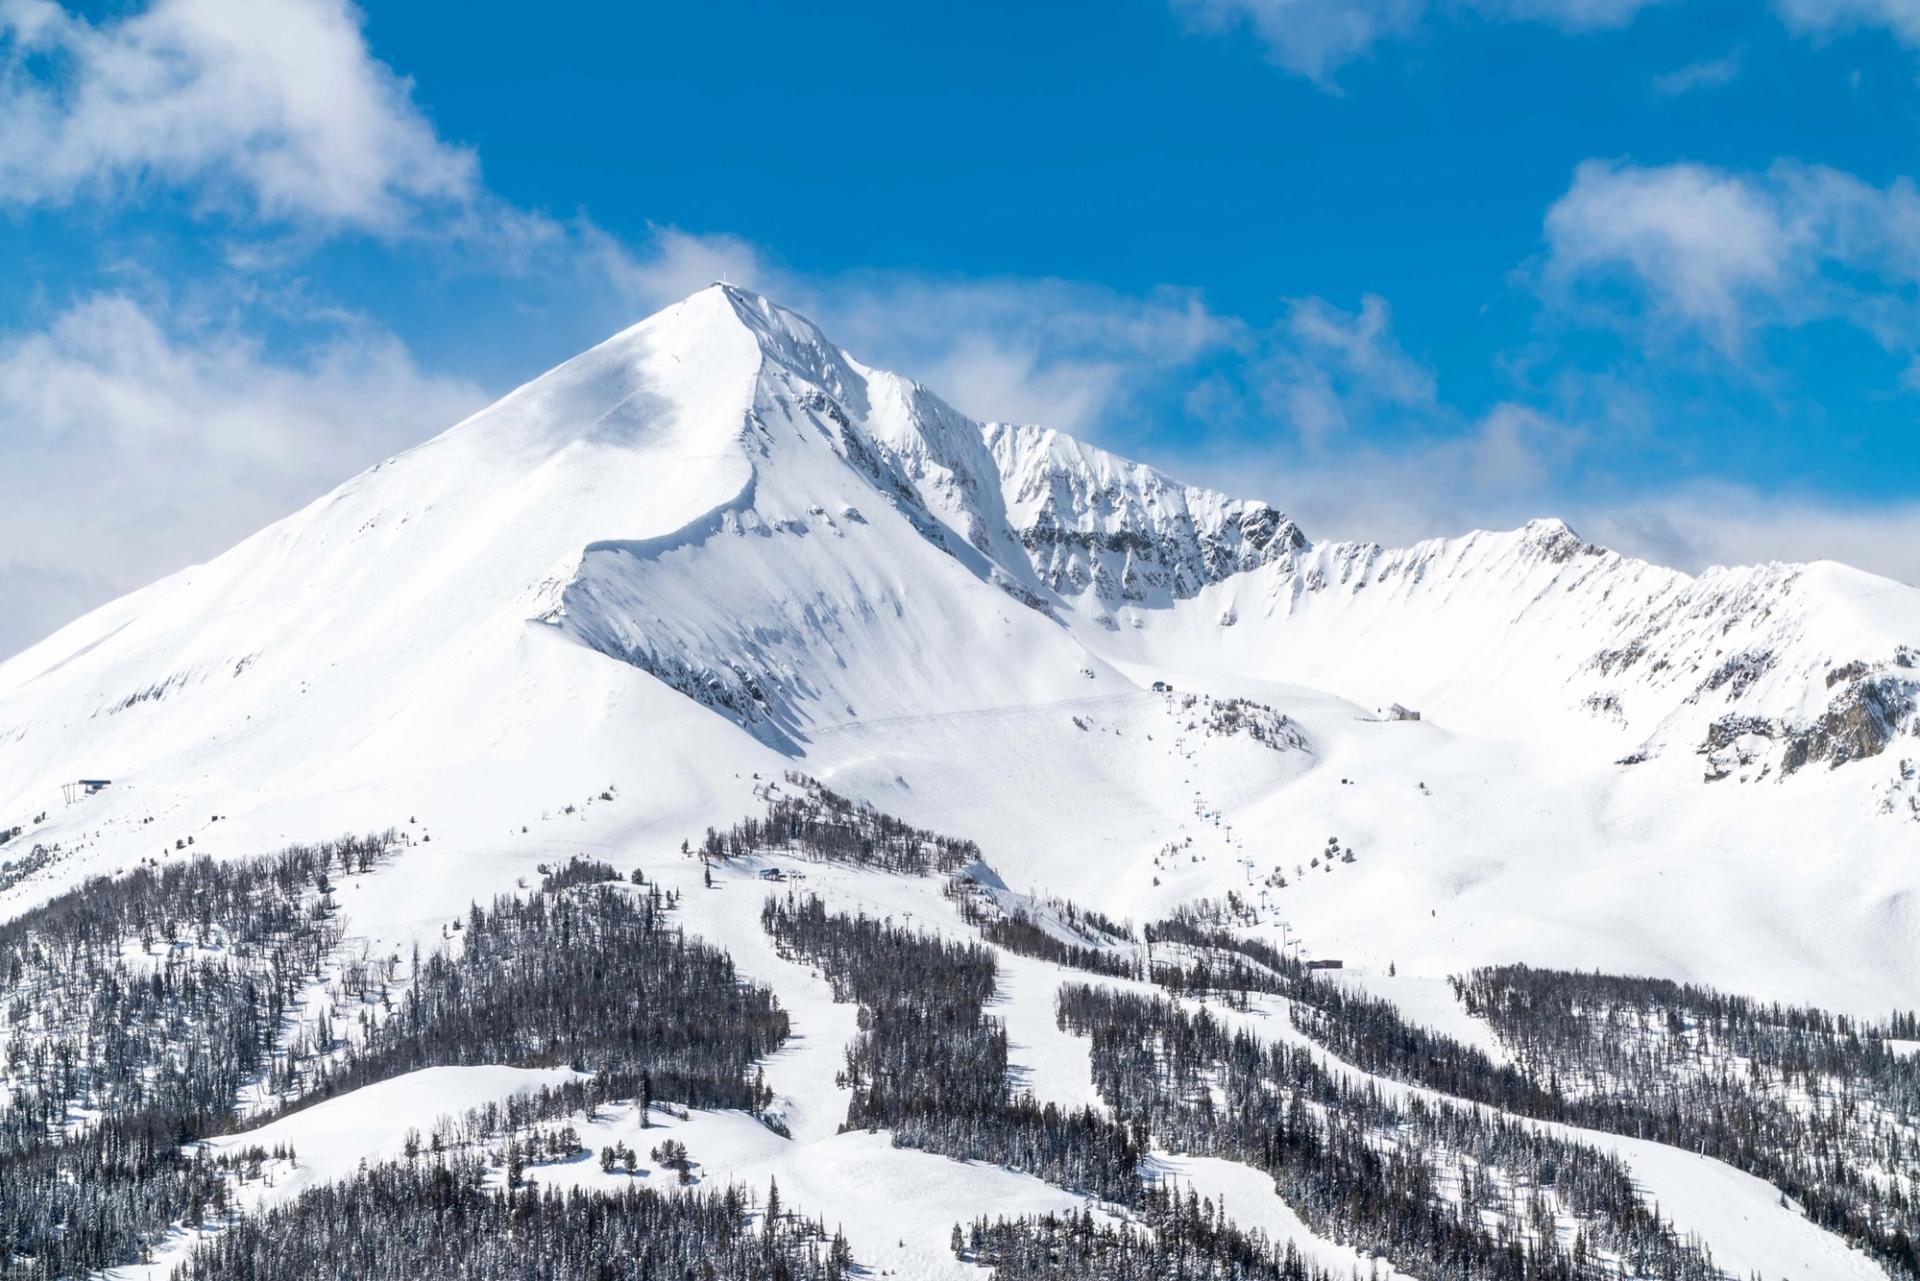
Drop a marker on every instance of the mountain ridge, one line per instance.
(720, 388)
(717, 544)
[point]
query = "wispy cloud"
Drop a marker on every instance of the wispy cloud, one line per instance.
(273, 113)
(1057, 352)
(1440, 472)
(672, 263)
(1402, 497)
(1311, 37)
(1725, 254)
(1567, 15)
(1701, 243)
(1824, 17)
(136, 441)
(1458, 473)
(1516, 463)
(1315, 38)
(1710, 74)
(1326, 365)
(1734, 525)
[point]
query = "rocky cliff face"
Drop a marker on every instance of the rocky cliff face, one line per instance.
(1091, 522)
(1872, 708)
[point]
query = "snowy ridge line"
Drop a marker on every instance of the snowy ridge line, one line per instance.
(691, 534)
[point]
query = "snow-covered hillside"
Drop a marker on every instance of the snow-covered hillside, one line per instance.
(595, 616)
(719, 509)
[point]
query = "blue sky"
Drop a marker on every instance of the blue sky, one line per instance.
(1404, 267)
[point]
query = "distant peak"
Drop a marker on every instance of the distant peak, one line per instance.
(1556, 538)
(774, 325)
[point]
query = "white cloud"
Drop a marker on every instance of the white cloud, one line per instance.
(1315, 38)
(278, 111)
(1046, 351)
(1348, 435)
(1361, 345)
(134, 443)
(1494, 472)
(1568, 15)
(1730, 525)
(1311, 37)
(1710, 74)
(1701, 242)
(1322, 367)
(1728, 253)
(1067, 354)
(675, 263)
(1824, 17)
(1517, 450)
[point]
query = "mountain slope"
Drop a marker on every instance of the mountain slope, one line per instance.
(607, 613)
(717, 543)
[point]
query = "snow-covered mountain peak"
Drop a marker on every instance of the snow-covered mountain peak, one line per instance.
(734, 509)
(1557, 539)
(699, 357)
(654, 590)
(791, 342)
(717, 545)
(685, 378)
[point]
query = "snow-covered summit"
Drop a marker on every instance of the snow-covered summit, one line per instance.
(718, 542)
(726, 413)
(718, 493)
